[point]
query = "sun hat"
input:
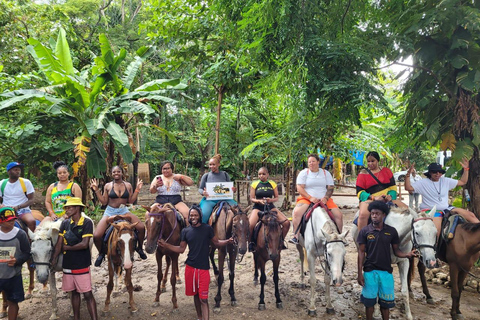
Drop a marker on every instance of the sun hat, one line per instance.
(73, 201)
(14, 164)
(434, 167)
(7, 214)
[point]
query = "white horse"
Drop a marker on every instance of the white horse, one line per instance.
(42, 247)
(404, 220)
(322, 240)
(43, 244)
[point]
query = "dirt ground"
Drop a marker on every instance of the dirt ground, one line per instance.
(295, 299)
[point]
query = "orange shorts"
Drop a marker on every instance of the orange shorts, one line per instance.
(330, 203)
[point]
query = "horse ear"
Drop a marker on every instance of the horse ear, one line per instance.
(326, 235)
(344, 234)
(147, 208)
(31, 235)
(432, 212)
(247, 208)
(132, 226)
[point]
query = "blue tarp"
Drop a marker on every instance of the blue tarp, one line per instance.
(358, 155)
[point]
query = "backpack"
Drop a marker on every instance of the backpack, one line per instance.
(22, 183)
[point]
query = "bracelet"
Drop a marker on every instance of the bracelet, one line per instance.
(137, 190)
(467, 169)
(407, 176)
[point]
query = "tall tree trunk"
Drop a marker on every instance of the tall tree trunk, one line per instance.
(473, 185)
(220, 92)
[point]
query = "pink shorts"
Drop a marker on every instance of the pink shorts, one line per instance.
(197, 281)
(77, 282)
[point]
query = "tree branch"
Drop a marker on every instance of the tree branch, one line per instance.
(345, 13)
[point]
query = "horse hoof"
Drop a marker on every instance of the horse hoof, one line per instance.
(179, 281)
(255, 282)
(54, 317)
(233, 303)
(133, 311)
(430, 301)
(302, 286)
(279, 305)
(115, 294)
(175, 311)
(105, 313)
(216, 310)
(163, 290)
(156, 304)
(28, 296)
(261, 306)
(330, 311)
(3, 314)
(312, 313)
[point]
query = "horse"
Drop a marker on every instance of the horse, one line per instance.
(120, 249)
(403, 219)
(462, 252)
(161, 223)
(321, 238)
(269, 247)
(424, 235)
(231, 222)
(42, 247)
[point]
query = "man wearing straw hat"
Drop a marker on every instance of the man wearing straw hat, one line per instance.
(74, 239)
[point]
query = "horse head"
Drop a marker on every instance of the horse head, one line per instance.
(335, 255)
(125, 242)
(424, 236)
(43, 242)
(154, 224)
(271, 237)
(240, 229)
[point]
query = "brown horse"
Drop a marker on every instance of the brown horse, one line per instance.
(121, 246)
(232, 222)
(462, 252)
(269, 247)
(161, 223)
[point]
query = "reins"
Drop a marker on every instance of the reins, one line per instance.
(162, 215)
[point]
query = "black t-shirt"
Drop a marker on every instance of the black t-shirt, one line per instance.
(377, 246)
(78, 259)
(198, 240)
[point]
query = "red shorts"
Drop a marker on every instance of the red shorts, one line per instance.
(330, 203)
(76, 282)
(197, 281)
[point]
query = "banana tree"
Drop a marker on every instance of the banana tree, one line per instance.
(96, 98)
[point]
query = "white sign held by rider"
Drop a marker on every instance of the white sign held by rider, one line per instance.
(219, 190)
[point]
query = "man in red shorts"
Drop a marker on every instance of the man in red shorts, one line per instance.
(198, 237)
(74, 239)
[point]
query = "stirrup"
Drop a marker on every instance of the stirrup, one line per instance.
(294, 240)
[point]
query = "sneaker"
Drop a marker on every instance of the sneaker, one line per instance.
(293, 240)
(142, 254)
(99, 260)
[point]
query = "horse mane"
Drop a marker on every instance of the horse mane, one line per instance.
(272, 223)
(399, 210)
(42, 233)
(471, 227)
(330, 228)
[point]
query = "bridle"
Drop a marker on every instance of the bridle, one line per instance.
(44, 263)
(239, 257)
(266, 228)
(162, 215)
(325, 255)
(417, 245)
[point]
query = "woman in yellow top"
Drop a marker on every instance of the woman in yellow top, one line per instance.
(59, 192)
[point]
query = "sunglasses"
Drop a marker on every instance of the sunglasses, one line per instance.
(436, 172)
(166, 168)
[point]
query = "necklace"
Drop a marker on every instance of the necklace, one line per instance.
(439, 190)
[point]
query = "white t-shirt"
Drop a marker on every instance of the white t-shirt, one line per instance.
(13, 194)
(315, 182)
(434, 193)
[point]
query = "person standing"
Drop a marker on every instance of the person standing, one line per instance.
(12, 239)
(413, 196)
(198, 236)
(374, 242)
(17, 193)
(74, 241)
(215, 175)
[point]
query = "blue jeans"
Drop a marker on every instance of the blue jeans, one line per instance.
(207, 207)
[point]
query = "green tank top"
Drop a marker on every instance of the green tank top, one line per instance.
(59, 198)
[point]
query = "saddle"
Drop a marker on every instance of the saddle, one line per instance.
(450, 222)
(216, 212)
(109, 231)
(256, 229)
(307, 215)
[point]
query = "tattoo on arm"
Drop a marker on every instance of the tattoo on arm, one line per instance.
(329, 192)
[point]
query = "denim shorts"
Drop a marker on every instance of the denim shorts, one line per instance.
(13, 288)
(110, 211)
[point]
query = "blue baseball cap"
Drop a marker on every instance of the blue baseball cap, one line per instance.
(14, 164)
